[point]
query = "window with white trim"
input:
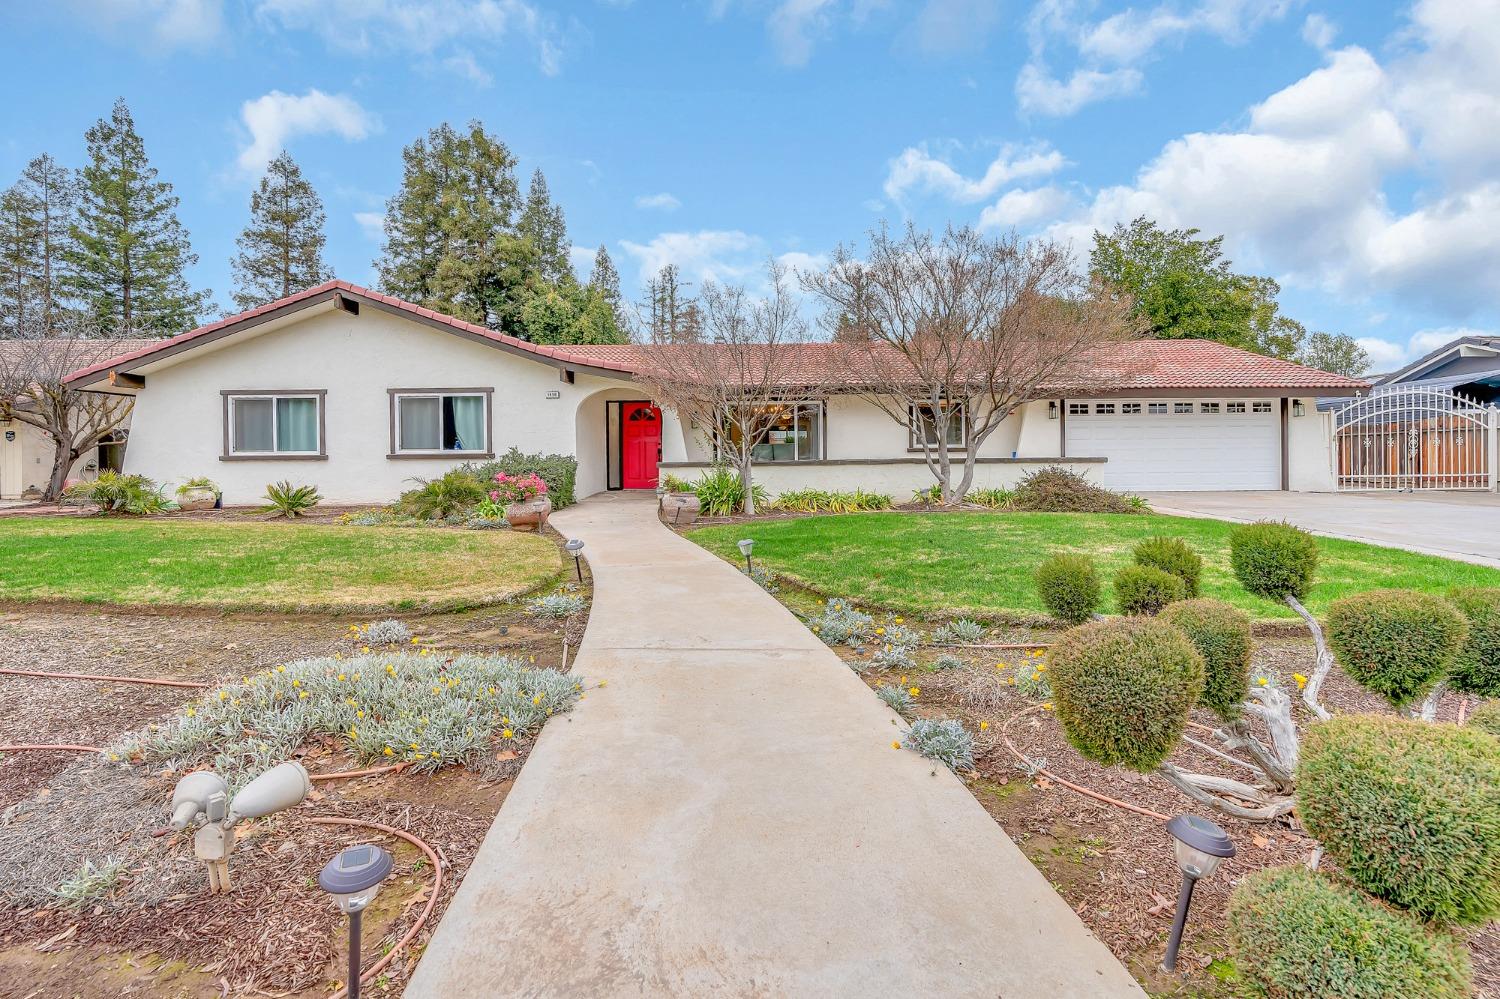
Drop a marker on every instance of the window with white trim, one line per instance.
(922, 423)
(441, 422)
(1130, 408)
(1260, 407)
(1208, 407)
(1182, 407)
(1234, 407)
(1078, 409)
(1157, 408)
(265, 424)
(1104, 408)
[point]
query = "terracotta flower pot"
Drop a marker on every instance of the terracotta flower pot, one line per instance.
(679, 509)
(530, 515)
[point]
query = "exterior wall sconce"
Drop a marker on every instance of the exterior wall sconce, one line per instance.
(1298, 409)
(1052, 409)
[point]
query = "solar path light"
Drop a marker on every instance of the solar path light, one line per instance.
(353, 879)
(575, 548)
(1201, 846)
(746, 547)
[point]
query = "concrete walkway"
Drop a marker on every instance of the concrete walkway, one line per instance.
(727, 817)
(1458, 525)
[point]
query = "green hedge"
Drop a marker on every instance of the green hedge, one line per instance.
(1123, 689)
(1069, 587)
(1486, 717)
(1477, 668)
(559, 471)
(1221, 634)
(1410, 809)
(1174, 556)
(1273, 560)
(1397, 643)
(1058, 490)
(1140, 589)
(1296, 934)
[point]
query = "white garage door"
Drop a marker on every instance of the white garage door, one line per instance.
(1178, 444)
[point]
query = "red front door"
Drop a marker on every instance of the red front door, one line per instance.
(641, 443)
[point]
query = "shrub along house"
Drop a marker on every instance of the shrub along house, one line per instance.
(362, 393)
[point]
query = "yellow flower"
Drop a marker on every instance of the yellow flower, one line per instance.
(223, 695)
(914, 691)
(364, 649)
(353, 732)
(984, 726)
(342, 678)
(114, 757)
(1036, 675)
(1301, 681)
(1047, 706)
(281, 669)
(603, 683)
(389, 751)
(507, 734)
(896, 744)
(414, 746)
(902, 681)
(192, 713)
(437, 690)
(900, 620)
(415, 640)
(391, 670)
(302, 696)
(296, 683)
(433, 755)
(360, 714)
(880, 631)
(356, 676)
(1263, 681)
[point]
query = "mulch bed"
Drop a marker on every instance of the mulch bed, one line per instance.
(159, 933)
(1115, 867)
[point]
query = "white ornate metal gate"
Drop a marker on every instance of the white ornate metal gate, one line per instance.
(1412, 437)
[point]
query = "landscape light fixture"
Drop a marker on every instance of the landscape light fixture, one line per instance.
(746, 547)
(353, 878)
(204, 795)
(575, 548)
(1201, 846)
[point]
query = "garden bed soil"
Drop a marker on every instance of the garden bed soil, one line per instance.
(276, 933)
(1115, 867)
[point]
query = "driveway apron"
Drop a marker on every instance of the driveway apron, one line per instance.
(726, 816)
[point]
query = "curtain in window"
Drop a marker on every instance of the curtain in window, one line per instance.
(296, 425)
(252, 425)
(421, 424)
(468, 422)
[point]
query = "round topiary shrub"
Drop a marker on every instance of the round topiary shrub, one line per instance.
(1123, 689)
(1273, 560)
(1476, 670)
(1221, 634)
(1397, 643)
(1486, 718)
(1174, 556)
(1140, 589)
(1410, 809)
(1069, 587)
(1296, 933)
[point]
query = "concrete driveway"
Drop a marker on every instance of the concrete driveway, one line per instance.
(1459, 525)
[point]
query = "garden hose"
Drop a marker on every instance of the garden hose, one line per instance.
(1005, 737)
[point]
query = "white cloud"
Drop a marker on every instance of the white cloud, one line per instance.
(372, 224)
(663, 202)
(1319, 32)
(582, 259)
(171, 23)
(1386, 356)
(709, 254)
(793, 25)
(426, 27)
(462, 63)
(274, 118)
(1038, 92)
(916, 170)
(1109, 52)
(945, 26)
(1018, 208)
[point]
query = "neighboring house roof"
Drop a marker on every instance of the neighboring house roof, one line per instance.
(1427, 368)
(67, 350)
(1179, 365)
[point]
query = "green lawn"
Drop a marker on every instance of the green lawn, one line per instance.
(982, 562)
(270, 566)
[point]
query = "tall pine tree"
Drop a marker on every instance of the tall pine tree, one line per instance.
(18, 260)
(39, 216)
(128, 262)
(542, 222)
(605, 280)
(451, 240)
(281, 250)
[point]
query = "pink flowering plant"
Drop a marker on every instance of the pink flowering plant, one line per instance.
(517, 488)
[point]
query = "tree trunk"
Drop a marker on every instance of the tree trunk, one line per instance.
(746, 484)
(1325, 660)
(62, 460)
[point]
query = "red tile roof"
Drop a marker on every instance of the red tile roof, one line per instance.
(1144, 365)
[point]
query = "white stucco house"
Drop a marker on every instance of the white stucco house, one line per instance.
(360, 393)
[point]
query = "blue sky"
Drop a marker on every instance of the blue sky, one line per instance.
(1350, 149)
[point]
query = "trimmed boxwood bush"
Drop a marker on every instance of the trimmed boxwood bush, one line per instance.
(1221, 634)
(1140, 589)
(1069, 587)
(1486, 717)
(1174, 556)
(1397, 643)
(1273, 560)
(1123, 689)
(1296, 933)
(1477, 668)
(1410, 809)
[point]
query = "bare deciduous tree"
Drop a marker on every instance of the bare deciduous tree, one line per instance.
(950, 335)
(33, 392)
(727, 362)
